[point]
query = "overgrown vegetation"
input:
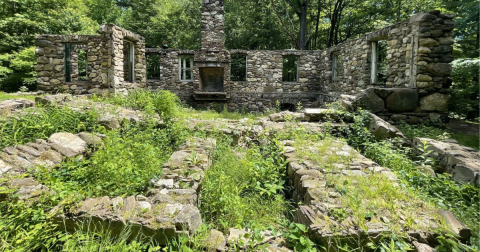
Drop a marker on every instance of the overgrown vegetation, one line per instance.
(245, 187)
(241, 183)
(462, 200)
(123, 166)
(41, 123)
(437, 133)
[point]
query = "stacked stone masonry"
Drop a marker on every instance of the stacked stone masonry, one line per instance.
(322, 199)
(168, 209)
(104, 62)
(460, 161)
(418, 55)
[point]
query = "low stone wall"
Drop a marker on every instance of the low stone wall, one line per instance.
(14, 162)
(460, 161)
(322, 199)
(8, 106)
(168, 209)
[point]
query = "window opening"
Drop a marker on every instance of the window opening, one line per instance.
(290, 69)
(185, 68)
(153, 66)
(238, 67)
(379, 62)
(75, 62)
(129, 60)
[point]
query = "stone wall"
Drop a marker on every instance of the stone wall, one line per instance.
(50, 67)
(418, 53)
(104, 62)
(264, 85)
(119, 36)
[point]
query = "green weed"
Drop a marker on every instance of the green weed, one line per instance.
(41, 123)
(7, 96)
(243, 188)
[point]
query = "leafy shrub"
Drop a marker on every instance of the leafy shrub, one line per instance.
(125, 164)
(40, 124)
(163, 102)
(244, 188)
(465, 88)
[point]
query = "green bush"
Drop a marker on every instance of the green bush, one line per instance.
(41, 124)
(163, 102)
(465, 88)
(244, 188)
(125, 164)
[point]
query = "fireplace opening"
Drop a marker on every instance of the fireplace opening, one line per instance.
(212, 79)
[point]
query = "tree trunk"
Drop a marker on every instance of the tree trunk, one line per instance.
(318, 22)
(302, 15)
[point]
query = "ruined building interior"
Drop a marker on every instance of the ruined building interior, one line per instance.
(405, 65)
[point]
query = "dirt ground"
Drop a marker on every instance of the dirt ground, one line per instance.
(462, 127)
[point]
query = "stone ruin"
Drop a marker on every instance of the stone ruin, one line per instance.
(407, 64)
(114, 62)
(169, 207)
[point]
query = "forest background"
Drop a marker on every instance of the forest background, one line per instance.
(250, 24)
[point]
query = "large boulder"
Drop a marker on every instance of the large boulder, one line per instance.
(402, 100)
(383, 130)
(435, 102)
(369, 100)
(439, 69)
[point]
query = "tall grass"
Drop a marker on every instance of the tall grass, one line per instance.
(41, 123)
(243, 188)
(462, 199)
(165, 103)
(124, 165)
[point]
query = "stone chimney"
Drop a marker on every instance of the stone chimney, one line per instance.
(213, 24)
